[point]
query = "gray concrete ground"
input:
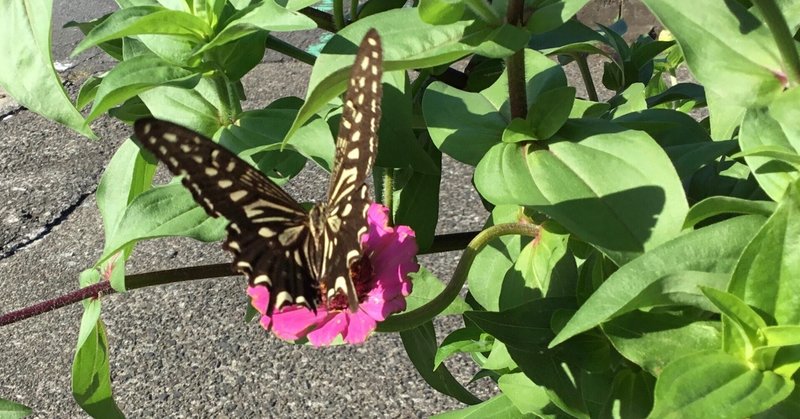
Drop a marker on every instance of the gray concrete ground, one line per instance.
(180, 350)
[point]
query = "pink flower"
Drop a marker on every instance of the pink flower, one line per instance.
(381, 281)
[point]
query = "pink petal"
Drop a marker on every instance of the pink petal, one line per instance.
(259, 298)
(294, 322)
(328, 331)
(359, 327)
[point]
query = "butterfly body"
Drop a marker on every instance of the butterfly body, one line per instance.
(302, 257)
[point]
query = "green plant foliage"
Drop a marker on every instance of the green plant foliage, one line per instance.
(641, 258)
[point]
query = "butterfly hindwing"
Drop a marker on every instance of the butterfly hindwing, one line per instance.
(268, 230)
(356, 146)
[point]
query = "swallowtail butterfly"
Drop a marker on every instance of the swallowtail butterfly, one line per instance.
(302, 257)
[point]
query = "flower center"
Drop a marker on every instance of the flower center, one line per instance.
(361, 275)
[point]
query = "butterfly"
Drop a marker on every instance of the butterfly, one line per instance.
(302, 257)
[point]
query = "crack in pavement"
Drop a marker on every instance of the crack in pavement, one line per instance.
(48, 227)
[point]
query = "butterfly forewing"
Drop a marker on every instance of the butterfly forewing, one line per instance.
(268, 233)
(356, 144)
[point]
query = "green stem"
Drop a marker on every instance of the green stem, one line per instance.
(229, 100)
(782, 35)
(586, 74)
(353, 10)
(431, 309)
(388, 192)
(290, 50)
(515, 64)
(338, 14)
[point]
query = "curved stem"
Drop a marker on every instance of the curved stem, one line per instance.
(782, 35)
(431, 309)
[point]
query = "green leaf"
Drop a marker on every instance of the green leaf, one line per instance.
(87, 92)
(588, 183)
(499, 359)
(420, 344)
(552, 14)
(136, 75)
(550, 111)
(127, 175)
(716, 385)
(526, 326)
(492, 279)
(27, 73)
(416, 201)
(526, 395)
(526, 329)
(372, 7)
(767, 276)
(466, 125)
(425, 288)
(257, 137)
(398, 146)
(498, 407)
(265, 15)
(441, 12)
(139, 20)
(631, 100)
(774, 126)
(402, 48)
(196, 108)
(12, 410)
(716, 205)
(712, 249)
(463, 125)
(570, 38)
(161, 212)
(91, 379)
(242, 56)
(91, 307)
(464, 340)
(517, 131)
(653, 340)
(680, 91)
(684, 140)
(724, 32)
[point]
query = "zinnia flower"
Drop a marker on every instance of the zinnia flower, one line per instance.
(381, 282)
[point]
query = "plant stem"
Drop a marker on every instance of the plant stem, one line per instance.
(388, 192)
(135, 281)
(586, 74)
(353, 10)
(515, 64)
(429, 310)
(442, 243)
(323, 20)
(782, 35)
(338, 14)
(231, 107)
(290, 50)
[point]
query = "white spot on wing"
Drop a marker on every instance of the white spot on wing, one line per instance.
(236, 196)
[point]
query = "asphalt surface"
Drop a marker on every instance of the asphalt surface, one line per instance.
(180, 350)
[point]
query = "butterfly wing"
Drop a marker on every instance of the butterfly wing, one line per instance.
(356, 145)
(268, 232)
